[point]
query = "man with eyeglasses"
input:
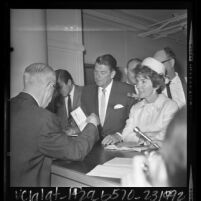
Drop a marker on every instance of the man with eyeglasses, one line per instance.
(36, 136)
(176, 85)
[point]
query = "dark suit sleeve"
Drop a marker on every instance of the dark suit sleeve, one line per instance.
(84, 101)
(56, 144)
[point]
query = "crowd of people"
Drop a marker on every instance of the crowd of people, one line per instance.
(152, 98)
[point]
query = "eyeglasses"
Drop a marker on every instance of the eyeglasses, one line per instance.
(53, 85)
(165, 61)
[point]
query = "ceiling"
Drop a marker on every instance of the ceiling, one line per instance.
(155, 24)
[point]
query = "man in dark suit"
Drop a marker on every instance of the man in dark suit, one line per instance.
(36, 133)
(108, 98)
(66, 98)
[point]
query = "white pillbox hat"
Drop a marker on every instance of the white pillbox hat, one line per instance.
(154, 65)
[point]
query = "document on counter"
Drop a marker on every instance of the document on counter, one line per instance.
(110, 171)
(119, 162)
(79, 117)
(128, 146)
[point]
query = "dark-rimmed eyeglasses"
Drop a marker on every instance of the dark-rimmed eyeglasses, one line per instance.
(53, 85)
(165, 61)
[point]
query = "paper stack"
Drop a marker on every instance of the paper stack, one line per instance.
(127, 146)
(115, 168)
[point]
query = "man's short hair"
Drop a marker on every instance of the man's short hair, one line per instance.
(63, 75)
(107, 60)
(38, 68)
(41, 70)
(137, 60)
(169, 52)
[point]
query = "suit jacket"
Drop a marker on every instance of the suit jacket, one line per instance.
(37, 139)
(59, 108)
(115, 119)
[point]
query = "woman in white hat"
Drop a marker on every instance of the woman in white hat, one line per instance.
(155, 110)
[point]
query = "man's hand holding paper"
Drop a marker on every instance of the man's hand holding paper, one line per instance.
(93, 118)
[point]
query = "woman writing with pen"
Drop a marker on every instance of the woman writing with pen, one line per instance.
(155, 110)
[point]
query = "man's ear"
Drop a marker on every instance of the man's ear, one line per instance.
(172, 61)
(113, 73)
(44, 92)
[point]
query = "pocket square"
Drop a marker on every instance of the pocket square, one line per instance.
(118, 106)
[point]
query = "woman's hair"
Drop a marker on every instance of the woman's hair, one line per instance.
(157, 80)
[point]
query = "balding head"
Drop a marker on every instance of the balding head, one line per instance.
(168, 58)
(38, 73)
(39, 80)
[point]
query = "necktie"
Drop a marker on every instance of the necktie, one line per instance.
(69, 105)
(168, 90)
(102, 107)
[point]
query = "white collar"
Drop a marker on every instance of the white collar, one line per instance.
(72, 91)
(108, 88)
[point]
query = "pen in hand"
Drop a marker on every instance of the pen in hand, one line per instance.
(137, 130)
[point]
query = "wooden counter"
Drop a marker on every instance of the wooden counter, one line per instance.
(73, 174)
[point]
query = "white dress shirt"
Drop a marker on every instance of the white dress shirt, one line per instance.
(66, 99)
(177, 91)
(107, 95)
(151, 118)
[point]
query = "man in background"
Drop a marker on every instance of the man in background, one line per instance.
(176, 85)
(107, 98)
(67, 97)
(130, 74)
(36, 133)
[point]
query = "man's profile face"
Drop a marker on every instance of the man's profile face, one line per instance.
(102, 75)
(163, 58)
(48, 92)
(64, 88)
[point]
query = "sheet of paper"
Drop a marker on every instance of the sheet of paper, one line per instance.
(109, 171)
(114, 147)
(127, 146)
(120, 162)
(79, 117)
